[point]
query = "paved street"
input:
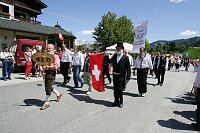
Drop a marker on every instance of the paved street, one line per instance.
(165, 109)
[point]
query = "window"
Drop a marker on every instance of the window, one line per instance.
(4, 9)
(24, 46)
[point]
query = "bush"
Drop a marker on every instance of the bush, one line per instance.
(193, 53)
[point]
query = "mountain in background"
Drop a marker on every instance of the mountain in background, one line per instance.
(191, 41)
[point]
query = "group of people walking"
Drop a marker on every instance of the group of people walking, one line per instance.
(121, 64)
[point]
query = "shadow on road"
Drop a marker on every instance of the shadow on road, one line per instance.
(88, 99)
(130, 94)
(33, 102)
(75, 91)
(190, 115)
(20, 78)
(109, 87)
(174, 124)
(186, 98)
(134, 78)
(151, 84)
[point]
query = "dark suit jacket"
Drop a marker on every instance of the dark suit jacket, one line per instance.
(122, 67)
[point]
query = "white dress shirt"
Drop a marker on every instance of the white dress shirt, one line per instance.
(167, 62)
(197, 79)
(77, 58)
(5, 55)
(33, 52)
(119, 57)
(66, 57)
(145, 63)
(130, 59)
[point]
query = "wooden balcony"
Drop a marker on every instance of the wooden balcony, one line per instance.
(27, 20)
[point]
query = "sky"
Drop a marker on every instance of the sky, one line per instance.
(167, 19)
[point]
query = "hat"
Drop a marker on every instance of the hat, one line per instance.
(120, 44)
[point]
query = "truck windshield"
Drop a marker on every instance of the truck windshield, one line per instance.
(24, 46)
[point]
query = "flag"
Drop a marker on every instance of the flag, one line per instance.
(60, 37)
(96, 71)
(139, 37)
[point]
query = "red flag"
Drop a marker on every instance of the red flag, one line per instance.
(96, 70)
(60, 37)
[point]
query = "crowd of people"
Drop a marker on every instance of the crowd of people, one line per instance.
(74, 61)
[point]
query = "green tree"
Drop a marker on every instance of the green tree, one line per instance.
(111, 30)
(123, 30)
(197, 44)
(172, 47)
(159, 48)
(193, 53)
(147, 45)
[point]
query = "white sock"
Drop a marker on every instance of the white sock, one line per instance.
(47, 99)
(56, 92)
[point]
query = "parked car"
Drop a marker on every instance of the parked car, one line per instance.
(17, 48)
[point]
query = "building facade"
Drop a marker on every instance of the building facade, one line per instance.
(18, 20)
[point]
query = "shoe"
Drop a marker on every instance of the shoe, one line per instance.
(120, 105)
(82, 85)
(143, 94)
(58, 97)
(26, 78)
(195, 126)
(4, 79)
(140, 94)
(44, 106)
(75, 87)
(161, 84)
(115, 104)
(194, 103)
(157, 83)
(88, 93)
(64, 83)
(68, 80)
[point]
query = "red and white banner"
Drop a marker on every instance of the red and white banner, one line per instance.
(60, 37)
(96, 71)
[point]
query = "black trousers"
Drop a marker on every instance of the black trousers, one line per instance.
(161, 74)
(118, 82)
(142, 80)
(49, 80)
(33, 69)
(155, 70)
(64, 70)
(198, 108)
(106, 72)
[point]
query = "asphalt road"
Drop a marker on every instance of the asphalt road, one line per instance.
(165, 109)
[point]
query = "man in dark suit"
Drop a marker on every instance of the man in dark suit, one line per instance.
(121, 74)
(162, 64)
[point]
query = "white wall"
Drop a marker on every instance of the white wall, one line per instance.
(6, 37)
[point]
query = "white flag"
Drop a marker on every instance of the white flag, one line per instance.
(139, 38)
